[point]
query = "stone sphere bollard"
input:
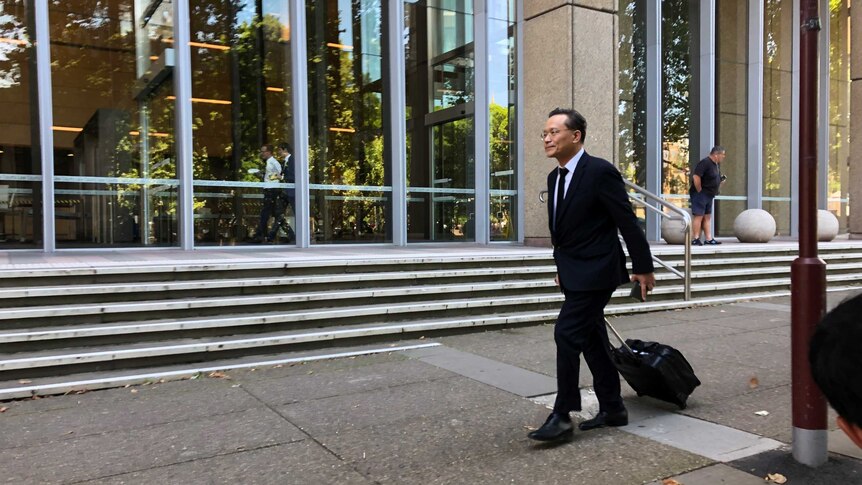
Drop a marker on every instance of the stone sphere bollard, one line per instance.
(673, 230)
(827, 225)
(754, 226)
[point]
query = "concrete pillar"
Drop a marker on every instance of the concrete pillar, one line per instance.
(854, 183)
(570, 61)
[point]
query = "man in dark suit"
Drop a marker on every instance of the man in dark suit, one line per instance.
(285, 196)
(588, 205)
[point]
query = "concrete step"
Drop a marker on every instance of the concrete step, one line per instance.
(232, 324)
(124, 317)
(179, 271)
(41, 363)
(181, 289)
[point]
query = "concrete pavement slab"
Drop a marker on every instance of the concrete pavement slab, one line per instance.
(124, 451)
(536, 354)
(763, 305)
(606, 456)
(676, 333)
(338, 382)
(710, 313)
(841, 444)
(757, 320)
(754, 349)
(510, 378)
(739, 412)
(838, 470)
(101, 398)
(394, 451)
(355, 411)
(717, 442)
(299, 463)
(719, 474)
(133, 408)
(320, 367)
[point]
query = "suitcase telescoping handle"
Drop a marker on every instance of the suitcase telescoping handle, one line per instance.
(619, 337)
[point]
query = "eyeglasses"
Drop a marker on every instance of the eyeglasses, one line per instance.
(554, 132)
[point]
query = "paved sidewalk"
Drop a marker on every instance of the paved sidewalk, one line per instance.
(455, 413)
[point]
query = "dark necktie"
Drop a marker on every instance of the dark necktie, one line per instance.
(561, 193)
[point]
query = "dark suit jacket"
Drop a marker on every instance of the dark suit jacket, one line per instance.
(288, 176)
(587, 251)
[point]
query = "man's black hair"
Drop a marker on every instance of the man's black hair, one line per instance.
(574, 120)
(836, 359)
(285, 146)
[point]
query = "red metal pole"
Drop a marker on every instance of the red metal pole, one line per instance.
(808, 272)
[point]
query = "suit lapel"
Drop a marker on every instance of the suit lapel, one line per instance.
(573, 184)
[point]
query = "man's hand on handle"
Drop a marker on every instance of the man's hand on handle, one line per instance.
(647, 281)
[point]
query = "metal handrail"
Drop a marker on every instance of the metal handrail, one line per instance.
(682, 215)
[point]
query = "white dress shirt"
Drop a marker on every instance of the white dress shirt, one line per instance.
(571, 165)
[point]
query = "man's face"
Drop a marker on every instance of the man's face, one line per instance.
(265, 153)
(561, 142)
(718, 157)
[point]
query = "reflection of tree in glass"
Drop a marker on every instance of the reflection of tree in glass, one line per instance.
(774, 58)
(632, 91)
(839, 72)
(11, 53)
(676, 88)
(346, 108)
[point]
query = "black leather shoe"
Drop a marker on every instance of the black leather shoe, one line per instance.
(620, 418)
(555, 428)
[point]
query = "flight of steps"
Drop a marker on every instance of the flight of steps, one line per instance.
(60, 324)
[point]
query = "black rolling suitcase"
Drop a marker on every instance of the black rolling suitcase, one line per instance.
(654, 369)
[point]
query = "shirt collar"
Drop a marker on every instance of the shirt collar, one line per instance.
(572, 164)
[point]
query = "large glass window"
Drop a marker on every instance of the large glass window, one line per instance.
(440, 131)
(631, 110)
(502, 70)
(679, 49)
(777, 105)
(20, 163)
(114, 163)
(240, 54)
(731, 110)
(350, 188)
(839, 110)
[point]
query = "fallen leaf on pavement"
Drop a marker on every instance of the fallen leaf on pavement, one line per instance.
(670, 481)
(3, 409)
(762, 413)
(753, 383)
(24, 381)
(218, 375)
(775, 478)
(134, 391)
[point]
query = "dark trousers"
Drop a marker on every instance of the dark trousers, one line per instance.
(282, 203)
(580, 329)
(270, 201)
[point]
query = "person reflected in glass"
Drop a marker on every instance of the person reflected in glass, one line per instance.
(285, 195)
(271, 178)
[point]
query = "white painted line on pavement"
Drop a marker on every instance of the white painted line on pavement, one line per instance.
(714, 441)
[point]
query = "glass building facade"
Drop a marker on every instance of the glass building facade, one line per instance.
(153, 117)
(144, 123)
(747, 54)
